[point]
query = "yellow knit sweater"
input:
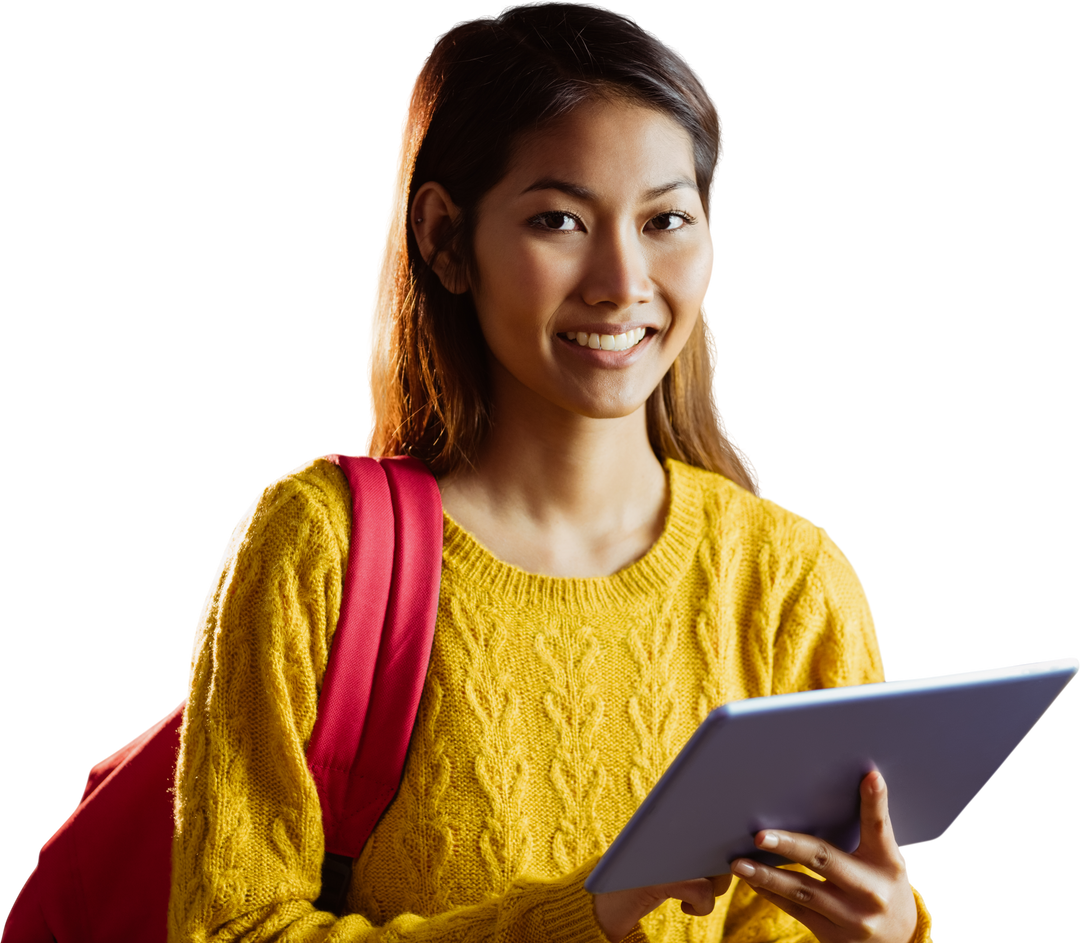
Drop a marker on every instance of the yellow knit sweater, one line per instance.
(550, 708)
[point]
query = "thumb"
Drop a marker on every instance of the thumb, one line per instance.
(876, 839)
(721, 883)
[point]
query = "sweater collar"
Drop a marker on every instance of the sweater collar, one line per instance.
(655, 574)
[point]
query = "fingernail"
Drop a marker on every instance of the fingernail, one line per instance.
(743, 867)
(769, 840)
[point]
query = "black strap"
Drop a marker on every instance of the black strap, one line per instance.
(336, 877)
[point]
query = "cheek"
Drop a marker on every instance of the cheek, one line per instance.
(698, 272)
(687, 276)
(520, 280)
(514, 303)
(539, 265)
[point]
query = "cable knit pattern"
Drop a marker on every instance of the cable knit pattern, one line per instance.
(551, 707)
(575, 709)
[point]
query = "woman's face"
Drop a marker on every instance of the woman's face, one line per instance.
(593, 255)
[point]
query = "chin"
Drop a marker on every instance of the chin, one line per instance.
(606, 408)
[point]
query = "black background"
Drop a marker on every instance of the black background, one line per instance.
(205, 206)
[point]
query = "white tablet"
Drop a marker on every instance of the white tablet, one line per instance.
(795, 761)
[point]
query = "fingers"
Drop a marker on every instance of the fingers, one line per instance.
(818, 855)
(877, 845)
(816, 923)
(695, 910)
(699, 896)
(883, 910)
(860, 893)
(809, 901)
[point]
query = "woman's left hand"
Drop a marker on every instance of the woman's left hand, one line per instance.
(865, 895)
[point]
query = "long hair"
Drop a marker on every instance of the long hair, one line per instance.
(486, 83)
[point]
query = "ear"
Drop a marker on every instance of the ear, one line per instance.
(433, 213)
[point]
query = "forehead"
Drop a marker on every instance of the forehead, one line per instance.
(609, 147)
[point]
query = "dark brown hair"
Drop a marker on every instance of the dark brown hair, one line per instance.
(486, 83)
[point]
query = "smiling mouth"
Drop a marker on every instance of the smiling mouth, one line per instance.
(606, 341)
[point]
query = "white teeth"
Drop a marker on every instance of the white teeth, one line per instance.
(607, 341)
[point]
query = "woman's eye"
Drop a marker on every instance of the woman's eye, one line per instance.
(556, 222)
(667, 221)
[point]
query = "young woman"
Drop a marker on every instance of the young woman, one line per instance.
(609, 574)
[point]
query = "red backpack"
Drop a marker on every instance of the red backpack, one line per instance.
(104, 876)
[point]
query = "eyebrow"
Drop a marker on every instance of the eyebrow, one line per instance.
(584, 193)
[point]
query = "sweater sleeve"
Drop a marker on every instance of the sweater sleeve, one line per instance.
(248, 844)
(825, 638)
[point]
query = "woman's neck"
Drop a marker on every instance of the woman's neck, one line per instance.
(560, 494)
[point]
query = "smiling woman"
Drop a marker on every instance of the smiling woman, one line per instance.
(608, 573)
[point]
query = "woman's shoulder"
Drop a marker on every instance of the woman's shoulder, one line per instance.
(733, 513)
(734, 502)
(785, 546)
(318, 487)
(309, 507)
(292, 543)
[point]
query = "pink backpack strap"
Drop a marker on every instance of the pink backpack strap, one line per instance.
(346, 690)
(373, 683)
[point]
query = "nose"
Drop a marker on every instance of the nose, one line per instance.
(618, 272)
